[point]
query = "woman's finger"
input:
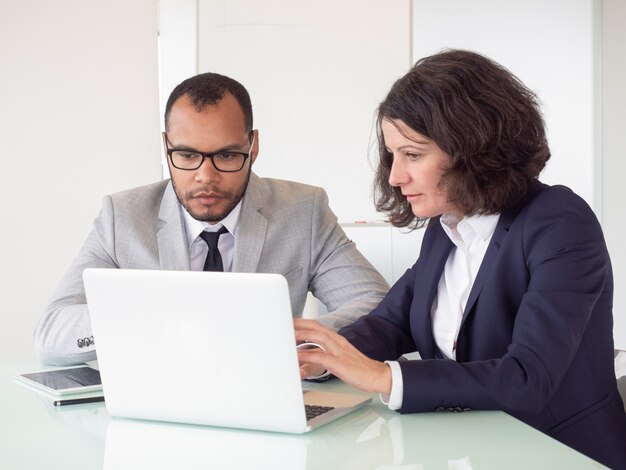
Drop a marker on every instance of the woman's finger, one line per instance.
(327, 340)
(311, 370)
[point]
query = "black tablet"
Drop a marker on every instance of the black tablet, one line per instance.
(69, 380)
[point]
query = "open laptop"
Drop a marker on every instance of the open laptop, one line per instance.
(203, 348)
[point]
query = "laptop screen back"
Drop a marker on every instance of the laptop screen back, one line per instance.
(197, 347)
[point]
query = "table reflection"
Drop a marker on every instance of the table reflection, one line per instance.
(362, 440)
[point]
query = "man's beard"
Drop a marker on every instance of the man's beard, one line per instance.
(211, 215)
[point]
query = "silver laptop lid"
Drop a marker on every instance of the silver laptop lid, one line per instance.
(163, 352)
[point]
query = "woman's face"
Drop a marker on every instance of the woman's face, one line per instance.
(418, 164)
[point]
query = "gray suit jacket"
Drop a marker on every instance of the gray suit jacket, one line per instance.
(284, 228)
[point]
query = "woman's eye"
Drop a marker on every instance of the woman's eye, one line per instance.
(412, 156)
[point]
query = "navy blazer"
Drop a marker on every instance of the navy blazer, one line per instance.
(536, 336)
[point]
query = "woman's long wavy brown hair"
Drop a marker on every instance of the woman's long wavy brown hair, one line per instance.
(481, 115)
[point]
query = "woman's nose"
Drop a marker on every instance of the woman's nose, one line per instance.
(398, 174)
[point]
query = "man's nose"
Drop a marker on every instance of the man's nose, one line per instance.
(207, 172)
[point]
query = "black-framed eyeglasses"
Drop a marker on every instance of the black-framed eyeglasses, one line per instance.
(227, 161)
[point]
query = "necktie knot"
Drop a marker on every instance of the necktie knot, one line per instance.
(214, 258)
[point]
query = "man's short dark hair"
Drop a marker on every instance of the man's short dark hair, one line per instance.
(481, 115)
(207, 89)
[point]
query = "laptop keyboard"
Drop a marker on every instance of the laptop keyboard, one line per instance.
(313, 411)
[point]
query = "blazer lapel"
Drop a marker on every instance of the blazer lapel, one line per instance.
(251, 229)
(425, 289)
(172, 246)
(502, 228)
(507, 218)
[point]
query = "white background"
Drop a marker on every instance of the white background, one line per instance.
(78, 120)
(79, 113)
(316, 72)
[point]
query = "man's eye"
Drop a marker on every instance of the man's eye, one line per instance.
(187, 155)
(226, 156)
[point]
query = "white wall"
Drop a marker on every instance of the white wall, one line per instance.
(614, 153)
(178, 57)
(549, 46)
(78, 119)
(316, 72)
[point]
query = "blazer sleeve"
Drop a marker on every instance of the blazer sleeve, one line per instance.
(340, 276)
(385, 333)
(65, 320)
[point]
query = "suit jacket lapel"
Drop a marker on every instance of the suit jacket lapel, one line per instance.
(507, 218)
(172, 246)
(502, 228)
(251, 229)
(425, 288)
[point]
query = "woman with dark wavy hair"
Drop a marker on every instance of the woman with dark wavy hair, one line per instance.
(510, 301)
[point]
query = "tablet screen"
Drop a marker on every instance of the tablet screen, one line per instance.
(66, 378)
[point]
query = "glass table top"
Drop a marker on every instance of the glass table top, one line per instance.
(36, 434)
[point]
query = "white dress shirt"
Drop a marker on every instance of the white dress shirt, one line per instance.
(198, 249)
(471, 237)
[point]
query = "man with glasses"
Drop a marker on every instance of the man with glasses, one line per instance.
(214, 214)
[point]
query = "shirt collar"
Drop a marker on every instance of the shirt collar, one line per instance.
(483, 225)
(195, 227)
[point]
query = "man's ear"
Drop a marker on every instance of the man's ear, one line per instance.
(255, 148)
(164, 145)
